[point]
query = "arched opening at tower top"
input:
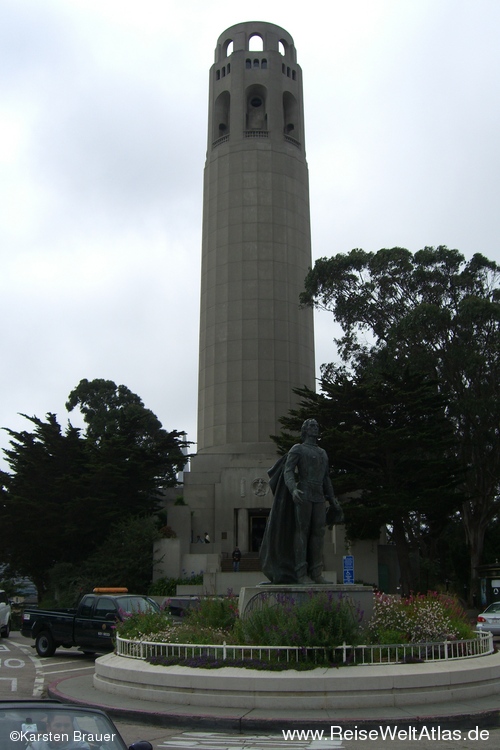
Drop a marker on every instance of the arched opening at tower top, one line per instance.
(256, 43)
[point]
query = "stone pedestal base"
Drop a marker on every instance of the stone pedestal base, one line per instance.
(254, 597)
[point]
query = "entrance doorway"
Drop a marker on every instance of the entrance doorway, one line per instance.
(257, 521)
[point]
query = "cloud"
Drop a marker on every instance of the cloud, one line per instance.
(103, 117)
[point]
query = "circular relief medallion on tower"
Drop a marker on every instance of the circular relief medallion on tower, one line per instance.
(260, 487)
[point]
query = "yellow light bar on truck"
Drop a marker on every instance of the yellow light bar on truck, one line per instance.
(110, 591)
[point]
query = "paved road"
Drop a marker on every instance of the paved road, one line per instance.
(24, 675)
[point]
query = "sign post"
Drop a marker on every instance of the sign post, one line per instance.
(348, 569)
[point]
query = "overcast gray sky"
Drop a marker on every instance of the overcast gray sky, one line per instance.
(103, 112)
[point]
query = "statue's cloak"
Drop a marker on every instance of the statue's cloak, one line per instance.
(276, 552)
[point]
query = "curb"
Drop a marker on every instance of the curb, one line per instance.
(488, 718)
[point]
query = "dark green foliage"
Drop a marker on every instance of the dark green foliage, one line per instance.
(66, 492)
(125, 558)
(391, 447)
(139, 625)
(311, 622)
(168, 586)
(46, 503)
(129, 451)
(319, 620)
(439, 315)
(214, 612)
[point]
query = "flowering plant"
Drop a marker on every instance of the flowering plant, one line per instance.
(313, 620)
(212, 621)
(417, 618)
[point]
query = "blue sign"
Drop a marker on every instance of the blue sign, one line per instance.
(348, 569)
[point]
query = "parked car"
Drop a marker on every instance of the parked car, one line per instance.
(490, 619)
(89, 626)
(5, 615)
(32, 724)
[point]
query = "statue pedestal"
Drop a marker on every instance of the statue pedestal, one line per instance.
(255, 597)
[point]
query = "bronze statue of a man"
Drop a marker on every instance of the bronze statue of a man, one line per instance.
(292, 548)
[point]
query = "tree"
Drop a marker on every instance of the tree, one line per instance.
(129, 546)
(66, 491)
(44, 513)
(130, 452)
(440, 314)
(389, 444)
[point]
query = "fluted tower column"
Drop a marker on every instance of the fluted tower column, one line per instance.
(256, 343)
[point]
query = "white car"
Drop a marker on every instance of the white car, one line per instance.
(490, 619)
(4, 615)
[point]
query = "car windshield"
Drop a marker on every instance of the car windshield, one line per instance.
(56, 726)
(130, 604)
(493, 608)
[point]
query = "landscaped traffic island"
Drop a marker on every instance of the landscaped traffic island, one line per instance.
(327, 665)
(323, 687)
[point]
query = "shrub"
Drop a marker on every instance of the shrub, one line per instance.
(214, 612)
(139, 625)
(168, 586)
(209, 623)
(167, 532)
(320, 620)
(417, 618)
(164, 630)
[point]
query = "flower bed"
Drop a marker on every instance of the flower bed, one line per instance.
(345, 655)
(318, 630)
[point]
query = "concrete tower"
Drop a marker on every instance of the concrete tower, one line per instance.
(256, 343)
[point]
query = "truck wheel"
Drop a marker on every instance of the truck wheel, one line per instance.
(44, 644)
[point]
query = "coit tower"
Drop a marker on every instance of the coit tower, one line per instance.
(256, 342)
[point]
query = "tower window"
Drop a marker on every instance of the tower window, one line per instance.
(221, 116)
(256, 119)
(264, 64)
(217, 75)
(223, 71)
(227, 48)
(291, 117)
(255, 43)
(256, 63)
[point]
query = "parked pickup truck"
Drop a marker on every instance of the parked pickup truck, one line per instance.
(89, 626)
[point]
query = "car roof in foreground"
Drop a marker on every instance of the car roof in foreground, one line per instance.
(48, 704)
